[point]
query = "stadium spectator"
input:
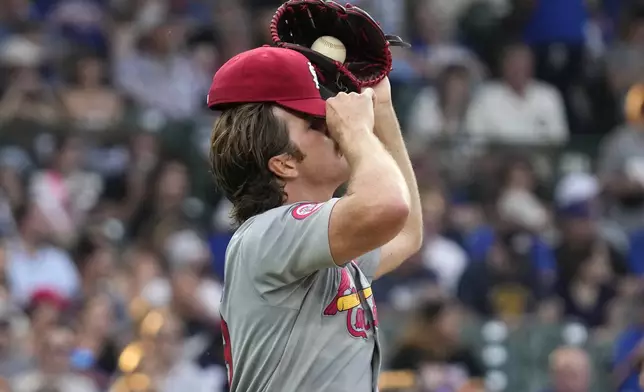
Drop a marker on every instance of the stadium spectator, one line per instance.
(432, 348)
(439, 112)
(54, 367)
(65, 191)
(587, 291)
(621, 169)
(504, 284)
(28, 97)
(520, 202)
(90, 102)
(162, 211)
(578, 199)
(625, 59)
(440, 255)
(196, 294)
(96, 266)
(433, 43)
(143, 276)
(629, 352)
(14, 359)
(517, 109)
(570, 370)
(96, 350)
(158, 75)
(32, 264)
(169, 370)
(558, 33)
(582, 247)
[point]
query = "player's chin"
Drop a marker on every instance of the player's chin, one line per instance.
(340, 160)
(337, 167)
(344, 171)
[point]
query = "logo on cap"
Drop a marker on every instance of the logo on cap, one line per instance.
(315, 75)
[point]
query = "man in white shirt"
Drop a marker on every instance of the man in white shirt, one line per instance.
(518, 109)
(32, 264)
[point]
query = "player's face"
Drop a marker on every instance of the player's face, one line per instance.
(323, 162)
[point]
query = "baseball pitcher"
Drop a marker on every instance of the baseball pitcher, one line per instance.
(298, 311)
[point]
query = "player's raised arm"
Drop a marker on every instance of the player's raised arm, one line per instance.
(279, 162)
(376, 206)
(291, 243)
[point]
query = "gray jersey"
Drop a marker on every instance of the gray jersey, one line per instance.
(293, 320)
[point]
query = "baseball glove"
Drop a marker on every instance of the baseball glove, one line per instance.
(298, 23)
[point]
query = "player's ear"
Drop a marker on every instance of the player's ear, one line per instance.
(283, 166)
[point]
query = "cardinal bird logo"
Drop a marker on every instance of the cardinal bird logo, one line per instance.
(347, 300)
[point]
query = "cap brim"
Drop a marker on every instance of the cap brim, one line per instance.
(313, 106)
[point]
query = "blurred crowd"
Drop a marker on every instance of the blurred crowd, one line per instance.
(524, 121)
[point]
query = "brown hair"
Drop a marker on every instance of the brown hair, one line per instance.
(243, 140)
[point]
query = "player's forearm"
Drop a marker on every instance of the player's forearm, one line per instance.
(375, 177)
(387, 129)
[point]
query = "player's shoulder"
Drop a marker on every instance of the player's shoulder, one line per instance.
(284, 215)
(272, 224)
(265, 220)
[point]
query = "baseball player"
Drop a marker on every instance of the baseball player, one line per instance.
(298, 310)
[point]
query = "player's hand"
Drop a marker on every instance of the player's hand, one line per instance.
(351, 112)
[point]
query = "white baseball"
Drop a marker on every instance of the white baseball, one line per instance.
(330, 47)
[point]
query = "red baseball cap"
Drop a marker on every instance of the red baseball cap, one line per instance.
(269, 74)
(48, 296)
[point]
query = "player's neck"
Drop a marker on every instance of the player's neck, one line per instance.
(306, 192)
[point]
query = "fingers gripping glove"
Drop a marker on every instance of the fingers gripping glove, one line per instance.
(298, 23)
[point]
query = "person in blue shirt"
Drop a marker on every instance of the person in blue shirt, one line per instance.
(629, 353)
(555, 30)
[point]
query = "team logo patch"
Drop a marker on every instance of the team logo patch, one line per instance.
(348, 302)
(304, 210)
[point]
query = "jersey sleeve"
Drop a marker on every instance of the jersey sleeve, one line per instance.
(368, 263)
(290, 244)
